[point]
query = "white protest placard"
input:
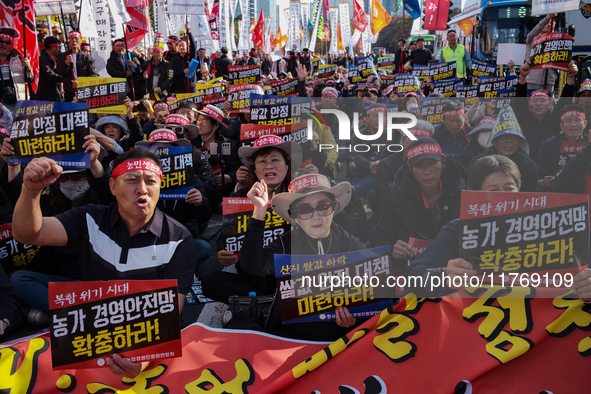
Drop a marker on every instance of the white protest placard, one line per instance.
(54, 7)
(186, 7)
(514, 52)
(543, 7)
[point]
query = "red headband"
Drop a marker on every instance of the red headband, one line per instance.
(173, 41)
(137, 165)
(455, 112)
(158, 105)
(208, 110)
(539, 94)
(424, 149)
(572, 114)
(162, 135)
(376, 109)
(421, 132)
(158, 49)
(306, 181)
(75, 34)
(4, 35)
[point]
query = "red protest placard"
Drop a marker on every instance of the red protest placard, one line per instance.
(138, 320)
(552, 51)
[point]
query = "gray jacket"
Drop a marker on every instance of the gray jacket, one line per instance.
(538, 77)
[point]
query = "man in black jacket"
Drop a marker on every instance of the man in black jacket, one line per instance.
(254, 58)
(222, 63)
(552, 155)
(122, 65)
(159, 74)
(538, 120)
(73, 64)
(421, 56)
(401, 56)
(423, 198)
(50, 81)
(180, 66)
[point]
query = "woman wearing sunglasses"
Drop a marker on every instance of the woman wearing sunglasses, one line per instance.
(270, 160)
(310, 204)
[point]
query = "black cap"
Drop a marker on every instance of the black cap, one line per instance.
(431, 150)
(420, 39)
(305, 50)
(51, 41)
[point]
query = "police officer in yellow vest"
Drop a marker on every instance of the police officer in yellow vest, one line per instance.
(458, 53)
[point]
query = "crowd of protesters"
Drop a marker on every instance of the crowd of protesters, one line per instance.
(414, 193)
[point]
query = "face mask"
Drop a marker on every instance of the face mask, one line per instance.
(73, 190)
(483, 139)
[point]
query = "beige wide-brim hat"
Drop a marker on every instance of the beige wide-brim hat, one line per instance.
(307, 185)
(179, 120)
(293, 150)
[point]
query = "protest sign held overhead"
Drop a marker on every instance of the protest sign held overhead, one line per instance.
(50, 129)
(551, 51)
(244, 74)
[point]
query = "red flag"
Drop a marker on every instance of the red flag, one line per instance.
(134, 35)
(138, 15)
(257, 34)
(436, 12)
(27, 25)
(359, 22)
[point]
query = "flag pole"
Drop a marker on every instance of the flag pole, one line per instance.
(25, 45)
(129, 57)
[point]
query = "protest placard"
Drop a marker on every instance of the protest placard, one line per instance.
(308, 290)
(568, 150)
(278, 110)
(432, 109)
(551, 51)
(505, 232)
(54, 130)
(177, 170)
(236, 212)
(421, 72)
(138, 320)
(481, 68)
(244, 74)
(404, 83)
(446, 87)
(239, 97)
(286, 87)
(216, 101)
(386, 60)
(326, 70)
(489, 86)
(103, 95)
(442, 71)
(467, 92)
(13, 254)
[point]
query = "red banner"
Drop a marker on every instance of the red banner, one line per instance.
(359, 21)
(436, 12)
(485, 344)
(26, 24)
(257, 34)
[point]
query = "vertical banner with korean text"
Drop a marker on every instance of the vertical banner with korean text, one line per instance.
(333, 14)
(102, 43)
(345, 23)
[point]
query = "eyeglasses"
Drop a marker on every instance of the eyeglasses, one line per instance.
(275, 161)
(75, 176)
(306, 211)
(178, 130)
(5, 42)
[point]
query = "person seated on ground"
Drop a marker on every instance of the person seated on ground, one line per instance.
(362, 165)
(489, 173)
(424, 196)
(479, 141)
(189, 109)
(125, 133)
(311, 208)
(11, 314)
(452, 134)
(572, 124)
(512, 144)
(388, 167)
(480, 110)
(210, 123)
(584, 100)
(275, 162)
(194, 212)
(161, 112)
(61, 263)
(539, 120)
(182, 127)
(133, 224)
(143, 110)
